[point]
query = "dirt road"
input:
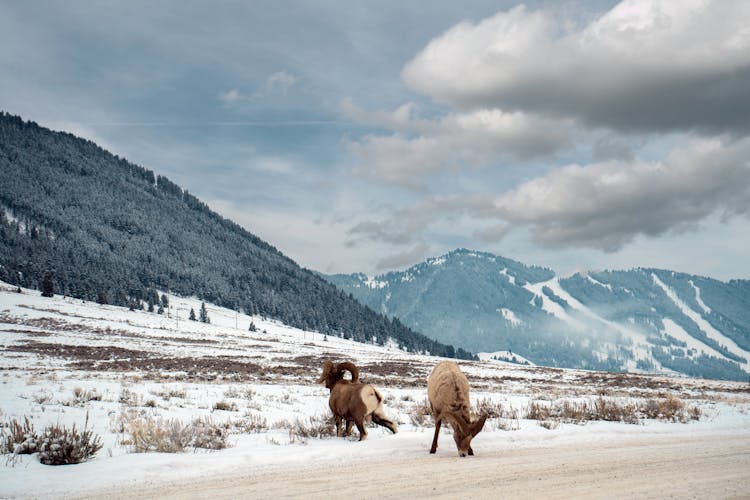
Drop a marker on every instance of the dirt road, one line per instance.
(702, 467)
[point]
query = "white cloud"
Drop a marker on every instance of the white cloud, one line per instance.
(644, 65)
(607, 205)
(279, 82)
(231, 96)
(419, 147)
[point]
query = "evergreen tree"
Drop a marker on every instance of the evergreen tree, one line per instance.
(252, 327)
(160, 310)
(48, 287)
(102, 297)
(204, 314)
(192, 315)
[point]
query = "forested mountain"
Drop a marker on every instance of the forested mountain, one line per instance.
(638, 320)
(92, 225)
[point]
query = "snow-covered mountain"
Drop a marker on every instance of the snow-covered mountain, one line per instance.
(638, 320)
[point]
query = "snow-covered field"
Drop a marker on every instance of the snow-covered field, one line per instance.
(63, 360)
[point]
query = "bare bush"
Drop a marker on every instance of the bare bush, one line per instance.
(81, 397)
(316, 427)
(58, 445)
(18, 438)
(208, 435)
(225, 406)
(149, 434)
(670, 408)
(251, 423)
(154, 434)
(421, 414)
(612, 410)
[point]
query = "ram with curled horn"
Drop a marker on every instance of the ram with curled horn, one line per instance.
(351, 401)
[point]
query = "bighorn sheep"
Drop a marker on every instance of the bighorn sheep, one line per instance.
(448, 392)
(352, 401)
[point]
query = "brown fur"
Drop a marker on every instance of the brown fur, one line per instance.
(448, 393)
(351, 401)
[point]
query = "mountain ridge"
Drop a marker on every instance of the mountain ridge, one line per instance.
(643, 319)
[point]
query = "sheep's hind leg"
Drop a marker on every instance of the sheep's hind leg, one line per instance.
(382, 420)
(338, 425)
(361, 429)
(435, 439)
(348, 430)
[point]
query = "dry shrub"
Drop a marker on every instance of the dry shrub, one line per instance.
(130, 398)
(43, 396)
(208, 435)
(611, 410)
(549, 424)
(81, 397)
(167, 394)
(251, 423)
(155, 434)
(420, 414)
(492, 409)
(670, 408)
(225, 406)
(316, 426)
(59, 446)
(18, 438)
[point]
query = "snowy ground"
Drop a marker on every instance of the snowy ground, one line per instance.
(62, 359)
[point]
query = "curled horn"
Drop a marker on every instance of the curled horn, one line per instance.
(327, 369)
(346, 365)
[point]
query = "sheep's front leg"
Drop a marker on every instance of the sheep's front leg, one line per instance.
(435, 439)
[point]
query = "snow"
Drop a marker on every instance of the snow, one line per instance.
(375, 284)
(437, 261)
(704, 325)
(598, 283)
(550, 306)
(511, 278)
(673, 329)
(510, 316)
(503, 356)
(698, 299)
(42, 387)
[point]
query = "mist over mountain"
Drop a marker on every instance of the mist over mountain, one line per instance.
(638, 320)
(89, 224)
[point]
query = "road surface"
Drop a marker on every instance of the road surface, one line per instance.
(692, 467)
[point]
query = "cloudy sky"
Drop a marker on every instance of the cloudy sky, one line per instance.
(366, 136)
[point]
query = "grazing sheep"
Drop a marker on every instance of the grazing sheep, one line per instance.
(448, 392)
(352, 401)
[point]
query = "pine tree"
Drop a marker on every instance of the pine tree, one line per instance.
(192, 315)
(252, 327)
(204, 314)
(102, 297)
(48, 287)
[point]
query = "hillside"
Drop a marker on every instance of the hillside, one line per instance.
(92, 225)
(639, 320)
